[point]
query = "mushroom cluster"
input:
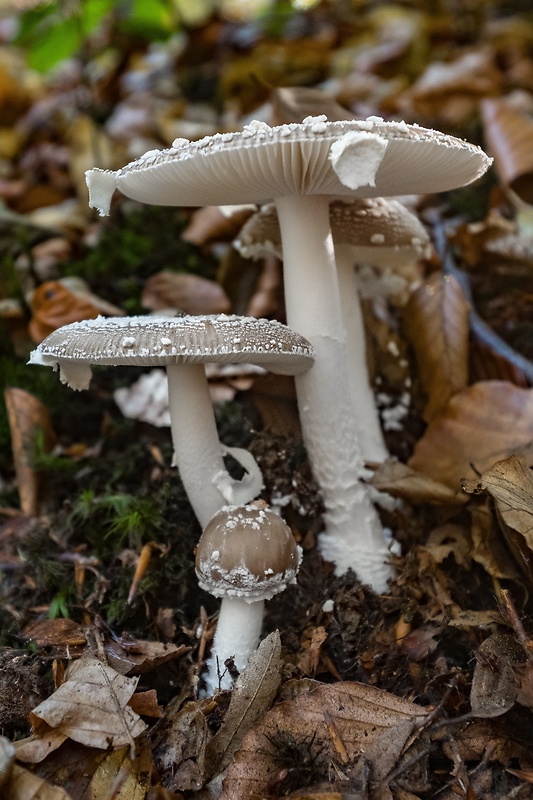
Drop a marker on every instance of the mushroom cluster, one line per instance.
(302, 167)
(183, 345)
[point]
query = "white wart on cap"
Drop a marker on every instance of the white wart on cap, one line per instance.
(183, 345)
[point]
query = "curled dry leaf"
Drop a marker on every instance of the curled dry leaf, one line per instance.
(294, 103)
(510, 483)
(252, 696)
(488, 546)
(494, 685)
(29, 421)
(189, 294)
(481, 425)
(214, 223)
(7, 756)
(436, 325)
(508, 133)
(180, 754)
(24, 785)
(53, 305)
(401, 481)
(90, 707)
(121, 778)
(359, 715)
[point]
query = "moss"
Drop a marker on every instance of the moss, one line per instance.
(134, 244)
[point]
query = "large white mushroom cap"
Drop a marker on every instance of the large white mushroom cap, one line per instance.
(358, 158)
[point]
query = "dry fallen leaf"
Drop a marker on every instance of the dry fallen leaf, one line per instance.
(325, 722)
(7, 756)
(180, 754)
(90, 707)
(189, 294)
(29, 421)
(436, 325)
(401, 481)
(510, 482)
(252, 696)
(488, 545)
(508, 133)
(24, 785)
(294, 103)
(121, 778)
(213, 223)
(53, 305)
(494, 685)
(481, 425)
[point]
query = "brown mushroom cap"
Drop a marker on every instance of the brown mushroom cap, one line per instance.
(382, 232)
(159, 341)
(261, 163)
(248, 552)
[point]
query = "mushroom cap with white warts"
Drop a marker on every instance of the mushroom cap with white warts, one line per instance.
(361, 158)
(382, 232)
(247, 552)
(160, 341)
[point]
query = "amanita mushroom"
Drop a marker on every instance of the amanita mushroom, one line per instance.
(374, 231)
(183, 345)
(245, 555)
(301, 167)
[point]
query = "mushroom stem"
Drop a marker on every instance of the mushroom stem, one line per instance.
(367, 420)
(237, 636)
(354, 536)
(197, 450)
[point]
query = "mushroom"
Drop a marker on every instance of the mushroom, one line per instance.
(245, 555)
(375, 231)
(301, 167)
(183, 345)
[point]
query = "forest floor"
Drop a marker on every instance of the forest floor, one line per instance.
(425, 691)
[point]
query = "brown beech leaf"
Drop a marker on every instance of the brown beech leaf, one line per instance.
(510, 482)
(24, 785)
(180, 754)
(214, 223)
(53, 305)
(294, 103)
(508, 133)
(190, 294)
(481, 425)
(29, 421)
(145, 704)
(55, 633)
(488, 545)
(494, 684)
(7, 756)
(136, 657)
(252, 696)
(332, 723)
(121, 778)
(436, 325)
(90, 707)
(401, 481)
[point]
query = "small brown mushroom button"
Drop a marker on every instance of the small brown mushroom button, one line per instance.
(246, 555)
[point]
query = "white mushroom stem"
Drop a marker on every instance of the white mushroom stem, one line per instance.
(197, 449)
(367, 420)
(353, 536)
(237, 636)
